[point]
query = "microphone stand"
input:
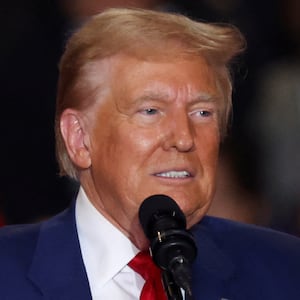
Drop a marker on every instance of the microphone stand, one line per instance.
(172, 290)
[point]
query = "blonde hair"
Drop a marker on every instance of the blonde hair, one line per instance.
(145, 34)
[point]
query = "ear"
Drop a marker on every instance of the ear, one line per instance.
(76, 138)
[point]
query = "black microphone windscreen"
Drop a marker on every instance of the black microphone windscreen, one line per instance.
(172, 247)
(159, 205)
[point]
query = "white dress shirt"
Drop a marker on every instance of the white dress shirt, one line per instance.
(106, 252)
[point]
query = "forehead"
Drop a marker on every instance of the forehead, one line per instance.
(129, 71)
(167, 79)
(127, 78)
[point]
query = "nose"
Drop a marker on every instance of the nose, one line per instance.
(180, 133)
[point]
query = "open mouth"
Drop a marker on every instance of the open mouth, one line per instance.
(174, 174)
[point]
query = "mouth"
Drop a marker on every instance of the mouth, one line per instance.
(174, 174)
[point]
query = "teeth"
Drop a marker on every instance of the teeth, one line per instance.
(174, 174)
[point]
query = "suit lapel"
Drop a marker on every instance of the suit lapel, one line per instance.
(57, 268)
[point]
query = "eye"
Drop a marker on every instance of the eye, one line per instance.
(202, 113)
(205, 113)
(147, 115)
(149, 111)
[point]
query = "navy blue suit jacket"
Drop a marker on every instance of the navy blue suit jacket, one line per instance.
(235, 261)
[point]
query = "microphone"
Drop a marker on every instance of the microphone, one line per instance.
(172, 247)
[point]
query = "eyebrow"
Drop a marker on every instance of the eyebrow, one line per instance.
(151, 96)
(205, 97)
(200, 97)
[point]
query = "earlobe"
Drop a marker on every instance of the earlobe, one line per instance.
(75, 138)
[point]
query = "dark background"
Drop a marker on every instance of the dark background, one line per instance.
(33, 34)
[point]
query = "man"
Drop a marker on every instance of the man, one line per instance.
(142, 105)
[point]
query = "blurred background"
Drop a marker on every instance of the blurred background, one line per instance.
(258, 179)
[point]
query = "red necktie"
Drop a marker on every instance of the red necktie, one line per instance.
(143, 264)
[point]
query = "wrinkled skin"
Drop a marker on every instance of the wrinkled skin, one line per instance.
(153, 129)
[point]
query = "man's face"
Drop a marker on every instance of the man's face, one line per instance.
(154, 130)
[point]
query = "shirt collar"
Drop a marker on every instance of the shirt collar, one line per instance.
(105, 249)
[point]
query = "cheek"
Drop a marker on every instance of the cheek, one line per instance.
(140, 141)
(207, 144)
(123, 148)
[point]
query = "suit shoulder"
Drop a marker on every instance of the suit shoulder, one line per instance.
(249, 238)
(22, 239)
(261, 263)
(18, 240)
